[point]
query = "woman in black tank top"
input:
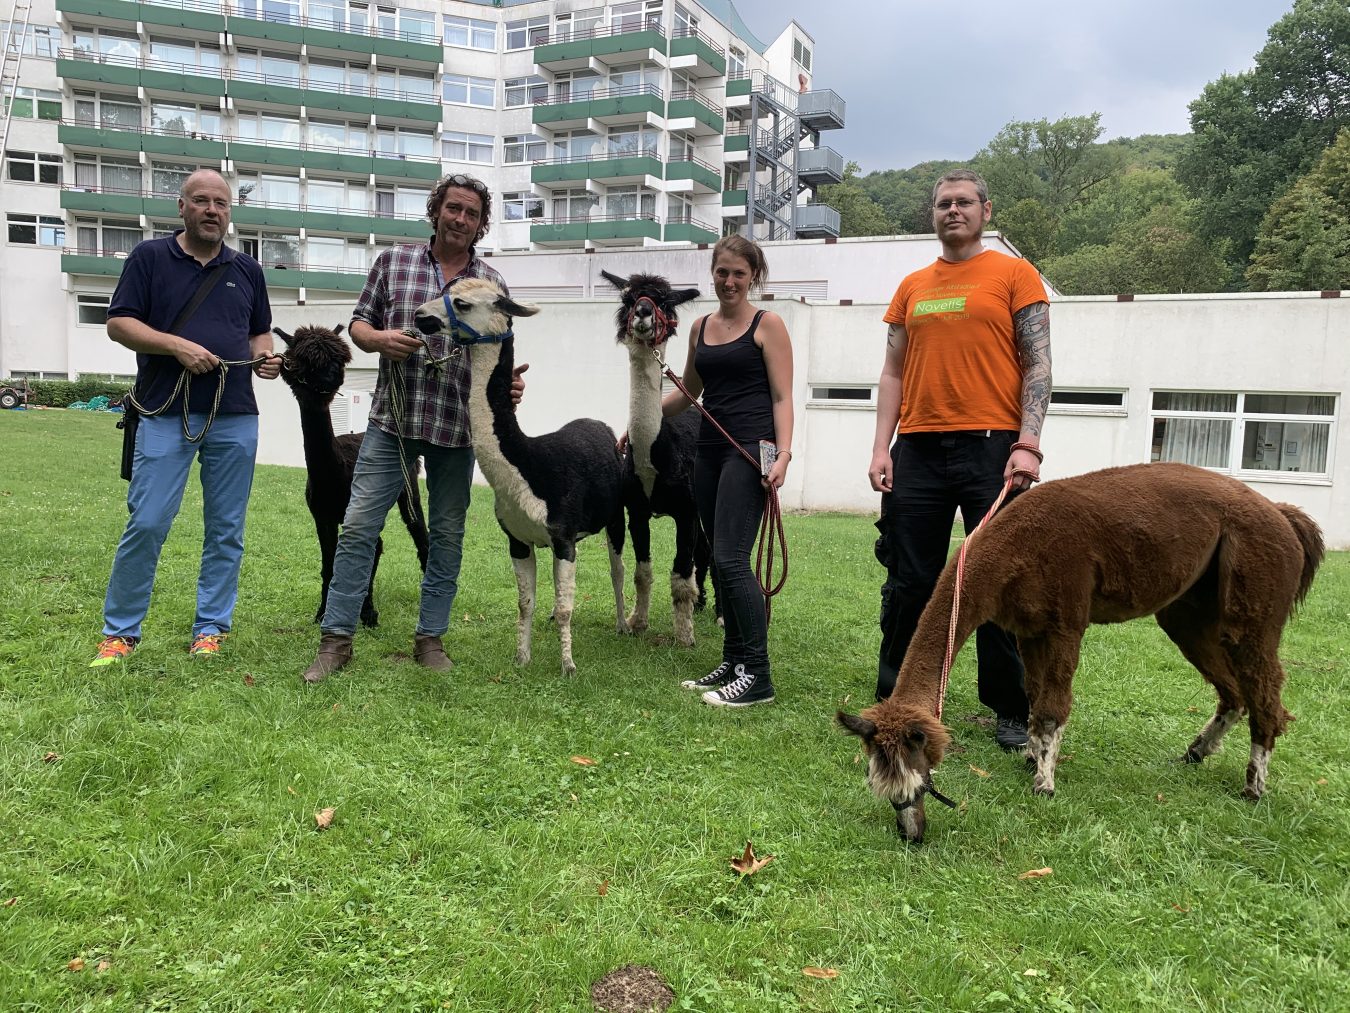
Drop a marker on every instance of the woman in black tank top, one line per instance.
(740, 360)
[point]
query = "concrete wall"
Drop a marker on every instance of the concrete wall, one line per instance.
(1281, 343)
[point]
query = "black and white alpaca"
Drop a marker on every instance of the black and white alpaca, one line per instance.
(659, 478)
(314, 367)
(551, 490)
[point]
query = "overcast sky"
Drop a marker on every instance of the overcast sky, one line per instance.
(928, 80)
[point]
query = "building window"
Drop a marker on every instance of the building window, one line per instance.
(337, 135)
(461, 89)
(30, 167)
(1247, 432)
(574, 205)
(36, 230)
(524, 91)
(184, 121)
(518, 148)
(1087, 402)
(417, 26)
(630, 202)
(106, 238)
(108, 175)
(574, 86)
(735, 63)
(91, 309)
(470, 32)
(801, 52)
(461, 147)
(405, 85)
(686, 22)
(34, 103)
(107, 113)
(839, 396)
(635, 16)
(519, 207)
(574, 144)
(175, 54)
(110, 45)
(40, 40)
(526, 33)
(577, 24)
(400, 142)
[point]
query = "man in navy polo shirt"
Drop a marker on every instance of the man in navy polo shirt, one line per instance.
(232, 324)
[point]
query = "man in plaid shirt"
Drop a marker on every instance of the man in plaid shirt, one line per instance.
(416, 412)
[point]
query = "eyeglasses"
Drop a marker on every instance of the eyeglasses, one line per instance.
(468, 183)
(964, 203)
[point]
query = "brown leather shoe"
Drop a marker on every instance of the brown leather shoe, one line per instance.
(429, 653)
(335, 650)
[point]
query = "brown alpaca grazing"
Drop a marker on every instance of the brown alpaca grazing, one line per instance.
(1218, 564)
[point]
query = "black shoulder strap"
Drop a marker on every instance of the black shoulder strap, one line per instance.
(203, 290)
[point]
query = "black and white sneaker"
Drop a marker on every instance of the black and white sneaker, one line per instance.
(745, 690)
(719, 676)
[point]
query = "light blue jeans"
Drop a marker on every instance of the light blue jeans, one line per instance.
(376, 485)
(158, 477)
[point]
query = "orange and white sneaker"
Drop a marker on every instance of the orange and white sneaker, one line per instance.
(206, 645)
(113, 649)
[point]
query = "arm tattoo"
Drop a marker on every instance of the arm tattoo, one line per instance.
(1032, 327)
(892, 334)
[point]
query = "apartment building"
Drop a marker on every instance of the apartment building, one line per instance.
(634, 124)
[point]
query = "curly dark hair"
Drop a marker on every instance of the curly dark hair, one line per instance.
(461, 181)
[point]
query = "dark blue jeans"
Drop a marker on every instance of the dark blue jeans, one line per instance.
(730, 499)
(933, 474)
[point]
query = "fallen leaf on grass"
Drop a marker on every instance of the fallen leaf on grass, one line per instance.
(1321, 780)
(337, 706)
(103, 965)
(584, 761)
(1183, 910)
(291, 791)
(51, 758)
(76, 965)
(1037, 873)
(324, 818)
(248, 679)
(604, 888)
(1031, 972)
(982, 773)
(11, 902)
(820, 972)
(1160, 797)
(748, 864)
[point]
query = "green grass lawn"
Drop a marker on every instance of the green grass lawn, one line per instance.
(472, 865)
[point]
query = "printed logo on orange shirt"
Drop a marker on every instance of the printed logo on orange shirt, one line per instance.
(956, 304)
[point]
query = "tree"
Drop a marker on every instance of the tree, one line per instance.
(1304, 240)
(1057, 164)
(859, 214)
(1255, 133)
(906, 195)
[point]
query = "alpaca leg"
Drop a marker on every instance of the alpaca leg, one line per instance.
(639, 528)
(370, 617)
(523, 562)
(616, 580)
(1050, 663)
(683, 590)
(1191, 622)
(564, 596)
(410, 509)
(328, 538)
(702, 560)
(1261, 678)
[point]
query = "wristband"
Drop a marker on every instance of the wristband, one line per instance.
(1033, 451)
(785, 453)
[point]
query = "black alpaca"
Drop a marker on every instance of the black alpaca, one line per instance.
(314, 366)
(659, 478)
(551, 490)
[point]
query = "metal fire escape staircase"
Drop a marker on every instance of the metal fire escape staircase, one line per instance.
(16, 40)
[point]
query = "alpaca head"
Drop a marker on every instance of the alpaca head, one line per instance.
(648, 313)
(316, 360)
(903, 744)
(474, 310)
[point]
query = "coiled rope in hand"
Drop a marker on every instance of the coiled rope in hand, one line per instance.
(184, 385)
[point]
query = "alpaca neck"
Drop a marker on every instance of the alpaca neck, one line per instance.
(499, 446)
(644, 411)
(316, 428)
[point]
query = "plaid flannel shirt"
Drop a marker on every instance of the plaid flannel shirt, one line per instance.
(435, 402)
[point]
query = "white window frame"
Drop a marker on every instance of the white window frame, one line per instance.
(54, 227)
(37, 161)
(1111, 401)
(478, 92)
(516, 207)
(526, 33)
(93, 303)
(846, 396)
(1239, 419)
(526, 147)
(735, 63)
(469, 33)
(478, 149)
(525, 91)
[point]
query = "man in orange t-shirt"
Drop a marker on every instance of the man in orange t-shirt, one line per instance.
(965, 385)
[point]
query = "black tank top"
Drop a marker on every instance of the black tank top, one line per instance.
(735, 388)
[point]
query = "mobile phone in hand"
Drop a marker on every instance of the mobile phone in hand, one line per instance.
(768, 453)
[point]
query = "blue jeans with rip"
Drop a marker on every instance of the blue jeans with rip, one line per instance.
(376, 485)
(730, 500)
(158, 477)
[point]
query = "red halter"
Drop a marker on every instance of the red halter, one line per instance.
(663, 325)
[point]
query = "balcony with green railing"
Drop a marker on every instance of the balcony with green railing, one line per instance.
(700, 176)
(734, 199)
(92, 261)
(154, 75)
(616, 106)
(194, 15)
(738, 86)
(607, 167)
(595, 230)
(290, 91)
(100, 263)
(335, 33)
(629, 41)
(695, 54)
(86, 135)
(683, 228)
(688, 104)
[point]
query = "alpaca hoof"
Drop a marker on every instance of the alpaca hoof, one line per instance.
(370, 618)
(522, 658)
(318, 616)
(721, 623)
(1190, 756)
(636, 625)
(569, 667)
(684, 639)
(1251, 794)
(1046, 792)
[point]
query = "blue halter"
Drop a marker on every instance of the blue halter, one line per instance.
(458, 329)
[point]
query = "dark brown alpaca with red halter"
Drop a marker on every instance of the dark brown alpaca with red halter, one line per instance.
(1218, 564)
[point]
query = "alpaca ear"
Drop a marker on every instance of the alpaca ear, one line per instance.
(512, 308)
(283, 336)
(615, 280)
(683, 296)
(916, 739)
(337, 330)
(856, 725)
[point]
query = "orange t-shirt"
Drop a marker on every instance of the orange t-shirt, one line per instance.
(961, 368)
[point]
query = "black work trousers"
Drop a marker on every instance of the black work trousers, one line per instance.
(932, 475)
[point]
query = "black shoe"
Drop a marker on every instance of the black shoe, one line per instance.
(717, 678)
(1010, 733)
(745, 690)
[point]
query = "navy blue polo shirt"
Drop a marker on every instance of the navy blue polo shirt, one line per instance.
(158, 280)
